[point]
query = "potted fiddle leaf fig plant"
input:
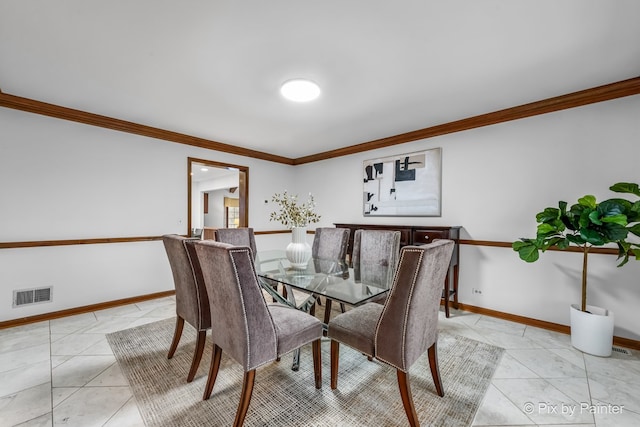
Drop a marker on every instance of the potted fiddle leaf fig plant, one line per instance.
(587, 224)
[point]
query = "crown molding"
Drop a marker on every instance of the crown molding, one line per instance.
(593, 95)
(65, 113)
(571, 100)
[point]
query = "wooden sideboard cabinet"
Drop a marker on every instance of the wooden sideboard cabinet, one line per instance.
(420, 235)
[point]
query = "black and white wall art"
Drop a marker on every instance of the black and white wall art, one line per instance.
(403, 185)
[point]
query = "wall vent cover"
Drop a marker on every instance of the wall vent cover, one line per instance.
(32, 296)
(621, 350)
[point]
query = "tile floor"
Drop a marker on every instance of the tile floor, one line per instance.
(63, 373)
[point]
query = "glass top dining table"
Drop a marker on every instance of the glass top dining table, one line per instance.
(329, 278)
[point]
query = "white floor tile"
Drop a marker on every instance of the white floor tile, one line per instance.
(542, 402)
(612, 391)
(27, 356)
(71, 324)
(127, 416)
(74, 344)
(540, 367)
(508, 340)
(24, 377)
(59, 394)
(613, 415)
(90, 406)
(42, 421)
(111, 377)
(497, 410)
(547, 339)
(122, 311)
(25, 405)
(101, 348)
(23, 340)
(509, 367)
(547, 364)
(108, 325)
(79, 370)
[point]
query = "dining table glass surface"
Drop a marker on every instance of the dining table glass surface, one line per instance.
(333, 279)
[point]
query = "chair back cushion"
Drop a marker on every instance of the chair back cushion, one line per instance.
(192, 303)
(408, 325)
(237, 237)
(244, 328)
(330, 243)
(375, 256)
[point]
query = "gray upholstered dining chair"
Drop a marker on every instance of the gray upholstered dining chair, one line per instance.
(192, 303)
(400, 331)
(329, 243)
(237, 236)
(375, 257)
(248, 329)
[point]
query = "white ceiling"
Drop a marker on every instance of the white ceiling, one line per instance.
(212, 69)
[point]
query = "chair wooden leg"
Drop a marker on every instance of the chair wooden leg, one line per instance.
(445, 294)
(176, 336)
(335, 353)
(245, 397)
(407, 399)
(317, 363)
(435, 371)
(213, 371)
(327, 311)
(197, 355)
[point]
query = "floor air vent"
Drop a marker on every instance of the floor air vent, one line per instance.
(621, 350)
(32, 296)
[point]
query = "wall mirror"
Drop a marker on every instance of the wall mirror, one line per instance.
(217, 196)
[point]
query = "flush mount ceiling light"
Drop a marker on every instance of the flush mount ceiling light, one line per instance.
(300, 90)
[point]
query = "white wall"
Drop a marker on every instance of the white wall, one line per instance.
(61, 180)
(495, 180)
(216, 216)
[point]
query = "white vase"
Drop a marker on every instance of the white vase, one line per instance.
(592, 332)
(298, 251)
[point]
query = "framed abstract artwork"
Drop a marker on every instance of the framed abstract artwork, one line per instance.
(403, 185)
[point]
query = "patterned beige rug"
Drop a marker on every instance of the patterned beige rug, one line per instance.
(367, 395)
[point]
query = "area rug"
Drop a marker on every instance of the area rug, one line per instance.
(367, 393)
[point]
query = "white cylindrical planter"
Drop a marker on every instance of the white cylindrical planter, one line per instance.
(592, 332)
(298, 251)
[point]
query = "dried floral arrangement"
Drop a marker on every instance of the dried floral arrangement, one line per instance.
(291, 213)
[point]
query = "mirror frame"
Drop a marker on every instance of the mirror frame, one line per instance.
(243, 189)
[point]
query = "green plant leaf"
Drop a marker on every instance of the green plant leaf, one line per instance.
(634, 213)
(520, 243)
(584, 220)
(592, 237)
(613, 232)
(562, 243)
(626, 187)
(587, 223)
(619, 219)
(635, 229)
(563, 206)
(614, 207)
(528, 252)
(576, 239)
(594, 217)
(549, 214)
(546, 230)
(588, 201)
(623, 252)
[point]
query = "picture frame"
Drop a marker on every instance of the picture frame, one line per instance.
(403, 185)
